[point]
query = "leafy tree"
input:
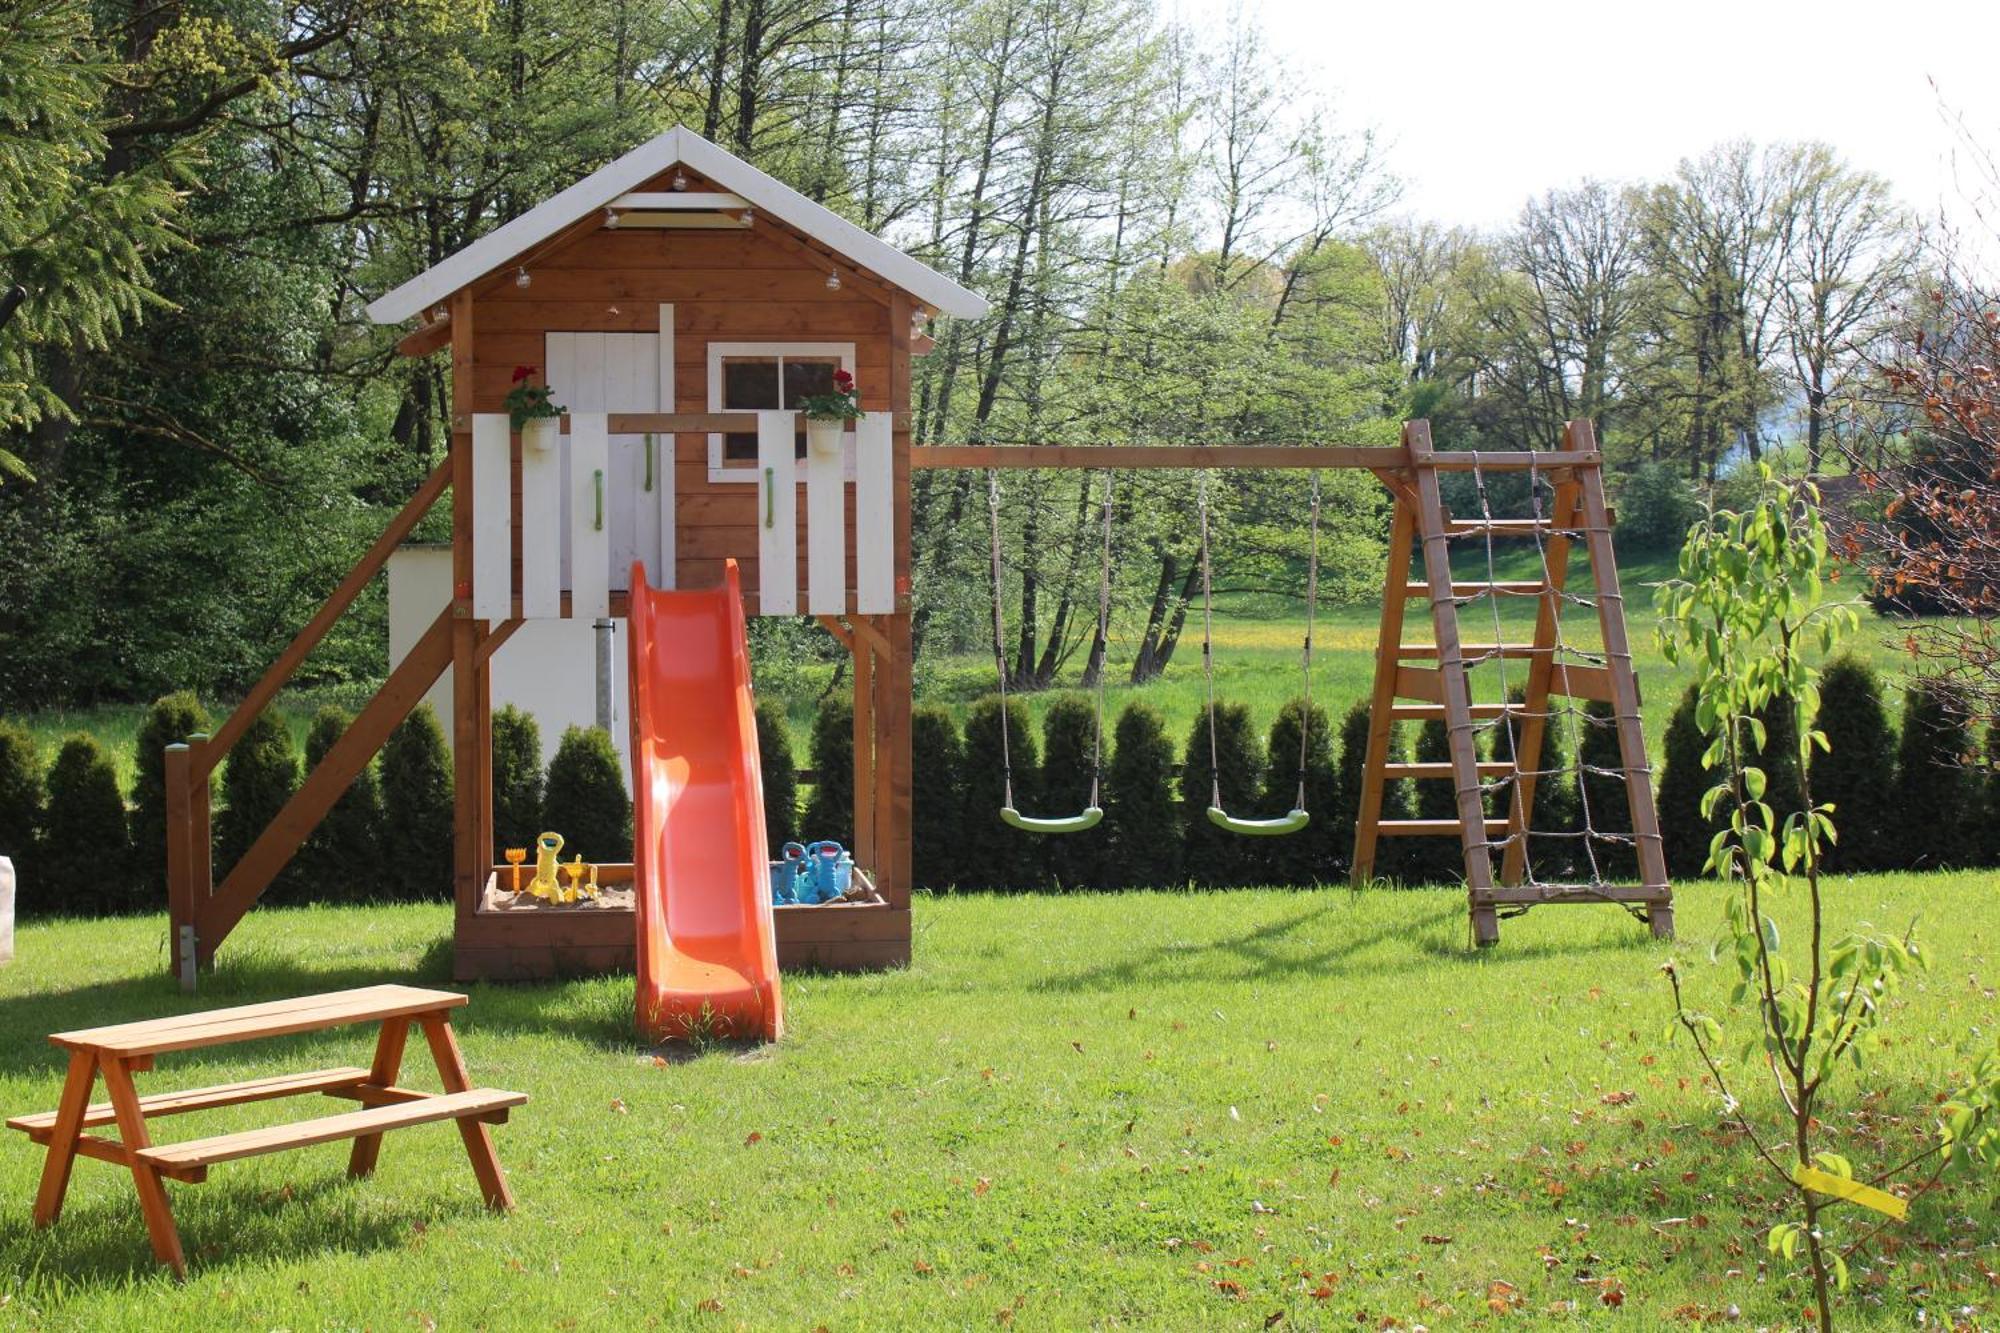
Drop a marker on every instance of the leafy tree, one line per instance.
(585, 798)
(937, 798)
(517, 780)
(995, 855)
(1656, 507)
(830, 807)
(170, 721)
(1856, 772)
(1684, 833)
(1931, 788)
(259, 776)
(23, 794)
(1072, 860)
(341, 860)
(86, 857)
(416, 810)
(1214, 857)
(1317, 853)
(1140, 811)
(779, 770)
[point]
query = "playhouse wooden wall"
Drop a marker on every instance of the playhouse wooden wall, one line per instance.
(751, 285)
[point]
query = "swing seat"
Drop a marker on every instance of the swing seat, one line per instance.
(1259, 828)
(1028, 824)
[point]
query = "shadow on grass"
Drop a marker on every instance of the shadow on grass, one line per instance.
(103, 1243)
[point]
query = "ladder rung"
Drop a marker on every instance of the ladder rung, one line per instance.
(1525, 589)
(1431, 828)
(1490, 769)
(1427, 712)
(1468, 652)
(1505, 527)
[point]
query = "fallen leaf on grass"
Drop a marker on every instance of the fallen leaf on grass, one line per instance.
(980, 1186)
(754, 1138)
(618, 1105)
(1620, 1098)
(1233, 1290)
(1273, 1319)
(713, 1305)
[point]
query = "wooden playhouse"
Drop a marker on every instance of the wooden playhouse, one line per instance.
(678, 302)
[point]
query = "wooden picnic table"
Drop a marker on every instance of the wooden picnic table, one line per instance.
(118, 1052)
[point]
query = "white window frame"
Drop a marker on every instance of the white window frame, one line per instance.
(721, 471)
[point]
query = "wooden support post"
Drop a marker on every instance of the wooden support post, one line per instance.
(1381, 726)
(382, 1073)
(145, 1176)
(63, 1135)
(1624, 692)
(893, 682)
(1535, 699)
(471, 846)
(478, 1138)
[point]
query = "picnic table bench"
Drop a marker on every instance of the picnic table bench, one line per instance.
(118, 1052)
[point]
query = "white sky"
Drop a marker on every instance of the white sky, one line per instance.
(1485, 104)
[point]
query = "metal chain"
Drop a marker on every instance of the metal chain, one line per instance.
(999, 634)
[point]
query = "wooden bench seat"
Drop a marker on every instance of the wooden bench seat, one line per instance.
(40, 1125)
(189, 1161)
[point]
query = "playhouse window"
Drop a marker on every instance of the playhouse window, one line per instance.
(747, 377)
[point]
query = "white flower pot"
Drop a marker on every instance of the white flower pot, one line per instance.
(539, 436)
(823, 437)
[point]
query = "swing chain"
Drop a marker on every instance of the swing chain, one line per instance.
(999, 634)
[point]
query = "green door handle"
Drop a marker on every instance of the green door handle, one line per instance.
(770, 497)
(597, 479)
(649, 460)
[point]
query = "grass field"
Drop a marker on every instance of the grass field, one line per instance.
(1153, 1111)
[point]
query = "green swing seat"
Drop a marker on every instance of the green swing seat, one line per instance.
(1259, 828)
(1029, 824)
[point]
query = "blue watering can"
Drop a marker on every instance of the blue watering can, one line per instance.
(788, 875)
(829, 870)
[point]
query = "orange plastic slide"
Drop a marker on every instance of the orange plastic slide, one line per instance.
(708, 955)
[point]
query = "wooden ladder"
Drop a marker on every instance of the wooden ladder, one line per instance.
(1404, 692)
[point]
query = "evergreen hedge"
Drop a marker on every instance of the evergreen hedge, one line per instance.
(937, 798)
(830, 808)
(85, 861)
(1141, 816)
(341, 860)
(1931, 791)
(779, 768)
(258, 777)
(416, 810)
(1603, 797)
(1390, 853)
(1856, 773)
(23, 794)
(1317, 853)
(1071, 860)
(1436, 859)
(1987, 845)
(585, 800)
(170, 721)
(1215, 858)
(517, 780)
(1556, 802)
(994, 855)
(1683, 832)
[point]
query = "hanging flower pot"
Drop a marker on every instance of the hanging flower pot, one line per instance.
(533, 412)
(829, 414)
(539, 436)
(823, 436)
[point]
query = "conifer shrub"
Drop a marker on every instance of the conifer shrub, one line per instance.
(779, 768)
(1317, 853)
(517, 780)
(585, 799)
(1141, 812)
(1214, 858)
(1554, 854)
(23, 794)
(937, 798)
(258, 777)
(1857, 775)
(170, 721)
(341, 860)
(1683, 832)
(416, 836)
(1069, 860)
(830, 807)
(85, 862)
(1931, 792)
(1390, 853)
(996, 856)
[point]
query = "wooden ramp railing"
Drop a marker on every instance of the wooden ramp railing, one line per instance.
(1422, 526)
(199, 914)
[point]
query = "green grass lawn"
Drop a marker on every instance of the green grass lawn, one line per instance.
(1160, 1110)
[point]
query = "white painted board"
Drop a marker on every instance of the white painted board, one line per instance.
(589, 526)
(826, 532)
(777, 515)
(492, 518)
(6, 910)
(541, 523)
(874, 516)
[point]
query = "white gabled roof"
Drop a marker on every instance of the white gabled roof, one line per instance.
(679, 146)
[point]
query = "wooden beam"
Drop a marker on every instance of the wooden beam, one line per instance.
(427, 339)
(273, 680)
(327, 783)
(493, 642)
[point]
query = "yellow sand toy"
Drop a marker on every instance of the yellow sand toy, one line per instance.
(574, 870)
(544, 884)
